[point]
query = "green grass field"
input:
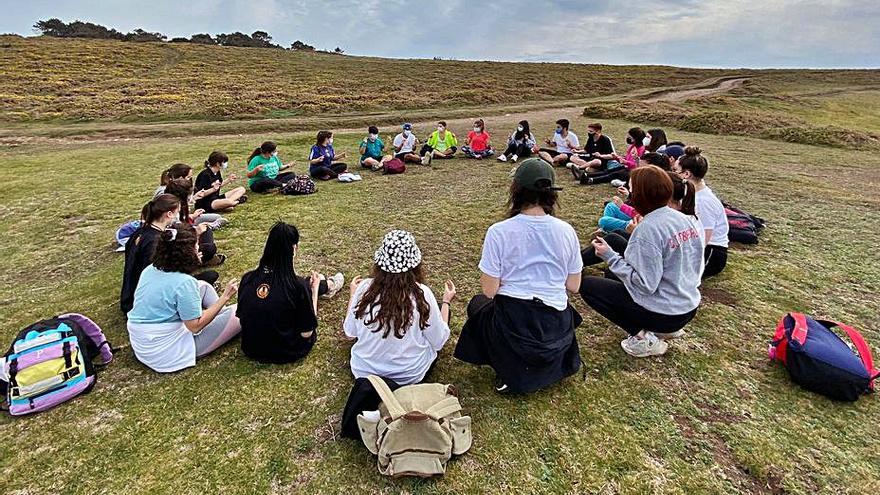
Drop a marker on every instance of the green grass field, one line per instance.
(711, 416)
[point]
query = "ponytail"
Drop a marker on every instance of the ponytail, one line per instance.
(257, 152)
(176, 171)
(159, 206)
(266, 147)
(181, 189)
(684, 193)
(165, 177)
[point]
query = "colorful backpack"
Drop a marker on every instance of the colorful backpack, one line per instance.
(50, 362)
(395, 166)
(417, 430)
(820, 361)
(744, 228)
(124, 233)
(299, 185)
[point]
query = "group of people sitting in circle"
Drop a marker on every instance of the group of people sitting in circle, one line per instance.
(663, 234)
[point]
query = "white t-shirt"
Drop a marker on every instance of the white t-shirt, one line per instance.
(408, 144)
(533, 256)
(405, 360)
(560, 142)
(710, 211)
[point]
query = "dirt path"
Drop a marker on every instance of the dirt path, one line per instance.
(111, 132)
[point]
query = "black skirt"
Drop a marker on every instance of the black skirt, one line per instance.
(529, 345)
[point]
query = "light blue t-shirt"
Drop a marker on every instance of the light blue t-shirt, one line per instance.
(165, 297)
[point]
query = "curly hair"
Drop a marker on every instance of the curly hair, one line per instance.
(176, 249)
(395, 294)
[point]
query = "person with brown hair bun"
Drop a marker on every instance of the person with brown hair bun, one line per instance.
(651, 289)
(522, 324)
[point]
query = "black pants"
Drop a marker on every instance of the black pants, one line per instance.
(209, 276)
(428, 149)
(610, 299)
(605, 176)
(266, 184)
(716, 260)
(520, 150)
(616, 241)
(207, 246)
(327, 173)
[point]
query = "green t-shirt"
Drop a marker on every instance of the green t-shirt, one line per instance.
(373, 149)
(271, 166)
(449, 140)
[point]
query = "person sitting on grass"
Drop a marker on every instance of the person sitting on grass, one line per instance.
(324, 163)
(565, 142)
(176, 171)
(617, 234)
(635, 148)
(693, 167)
(651, 290)
(264, 169)
(176, 318)
(372, 150)
(210, 181)
(397, 323)
(279, 310)
(598, 153)
(655, 141)
(182, 190)
(522, 325)
(405, 145)
(520, 144)
(477, 143)
(634, 151)
(441, 145)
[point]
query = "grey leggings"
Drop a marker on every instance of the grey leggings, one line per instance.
(221, 330)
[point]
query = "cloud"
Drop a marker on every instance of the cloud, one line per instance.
(724, 33)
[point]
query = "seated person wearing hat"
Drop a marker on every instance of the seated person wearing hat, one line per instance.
(405, 145)
(522, 324)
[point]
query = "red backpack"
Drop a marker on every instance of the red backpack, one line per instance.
(820, 361)
(395, 166)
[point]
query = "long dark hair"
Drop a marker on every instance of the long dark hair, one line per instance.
(525, 132)
(394, 293)
(637, 134)
(176, 171)
(266, 147)
(182, 189)
(159, 206)
(216, 158)
(685, 193)
(277, 262)
(658, 139)
(322, 136)
(520, 198)
(176, 250)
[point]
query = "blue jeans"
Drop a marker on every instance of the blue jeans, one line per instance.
(613, 219)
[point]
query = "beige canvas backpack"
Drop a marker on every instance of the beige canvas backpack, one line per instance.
(418, 430)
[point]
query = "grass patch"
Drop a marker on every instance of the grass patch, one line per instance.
(713, 416)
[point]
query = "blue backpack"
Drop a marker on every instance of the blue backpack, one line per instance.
(820, 361)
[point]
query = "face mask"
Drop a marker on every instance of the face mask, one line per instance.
(520, 129)
(373, 137)
(225, 164)
(559, 130)
(441, 128)
(646, 141)
(274, 153)
(330, 141)
(405, 134)
(477, 129)
(591, 133)
(629, 140)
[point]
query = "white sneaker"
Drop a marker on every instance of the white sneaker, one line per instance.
(426, 160)
(514, 158)
(334, 285)
(346, 177)
(617, 183)
(218, 224)
(502, 158)
(650, 345)
(669, 336)
(356, 177)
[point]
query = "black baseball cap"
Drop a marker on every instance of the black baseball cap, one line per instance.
(535, 174)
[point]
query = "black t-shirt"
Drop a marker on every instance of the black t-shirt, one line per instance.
(272, 318)
(205, 180)
(602, 146)
(138, 255)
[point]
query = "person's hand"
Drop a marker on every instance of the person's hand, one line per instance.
(596, 154)
(201, 228)
(199, 195)
(216, 185)
(535, 149)
(602, 248)
(198, 213)
(568, 143)
(231, 290)
(315, 281)
(631, 226)
(232, 177)
(617, 201)
(259, 168)
(623, 191)
(354, 284)
(448, 292)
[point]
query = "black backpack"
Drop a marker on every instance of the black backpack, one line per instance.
(744, 228)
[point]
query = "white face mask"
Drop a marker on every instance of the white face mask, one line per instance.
(646, 141)
(225, 165)
(274, 153)
(405, 133)
(477, 129)
(441, 128)
(520, 129)
(330, 141)
(373, 137)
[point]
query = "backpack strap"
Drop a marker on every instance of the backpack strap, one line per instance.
(394, 408)
(861, 347)
(799, 332)
(445, 407)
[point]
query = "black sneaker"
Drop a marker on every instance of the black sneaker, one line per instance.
(501, 387)
(576, 172)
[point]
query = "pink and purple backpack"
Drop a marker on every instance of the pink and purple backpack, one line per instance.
(52, 361)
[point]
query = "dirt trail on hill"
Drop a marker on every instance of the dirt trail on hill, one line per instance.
(110, 132)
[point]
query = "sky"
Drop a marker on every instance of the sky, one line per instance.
(691, 33)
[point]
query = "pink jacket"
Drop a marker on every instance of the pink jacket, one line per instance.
(628, 210)
(633, 153)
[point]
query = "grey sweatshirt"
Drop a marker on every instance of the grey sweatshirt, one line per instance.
(663, 262)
